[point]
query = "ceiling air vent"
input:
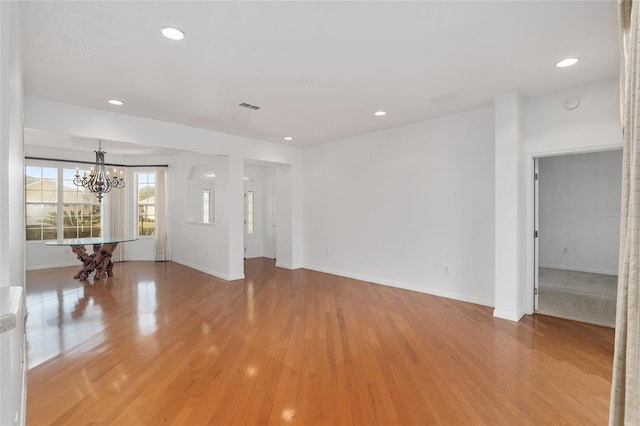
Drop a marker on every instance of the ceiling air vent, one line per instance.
(246, 105)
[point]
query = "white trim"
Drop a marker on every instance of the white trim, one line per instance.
(405, 286)
(192, 222)
(529, 225)
(588, 270)
(235, 277)
(209, 271)
(55, 265)
(574, 150)
(140, 259)
(287, 266)
(79, 264)
(507, 315)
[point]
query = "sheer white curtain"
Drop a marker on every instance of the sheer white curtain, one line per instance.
(625, 387)
(118, 205)
(161, 215)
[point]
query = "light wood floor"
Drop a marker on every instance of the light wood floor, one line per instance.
(160, 343)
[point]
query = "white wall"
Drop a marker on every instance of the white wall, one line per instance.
(509, 213)
(11, 149)
(550, 129)
(12, 365)
(410, 207)
(269, 217)
(203, 246)
(579, 211)
(287, 183)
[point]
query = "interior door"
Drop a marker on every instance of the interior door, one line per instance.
(536, 246)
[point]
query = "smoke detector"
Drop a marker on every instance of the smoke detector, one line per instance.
(571, 103)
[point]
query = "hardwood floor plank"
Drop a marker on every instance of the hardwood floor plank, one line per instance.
(160, 343)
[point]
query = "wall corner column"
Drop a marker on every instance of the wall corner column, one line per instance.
(13, 371)
(509, 208)
(12, 264)
(236, 217)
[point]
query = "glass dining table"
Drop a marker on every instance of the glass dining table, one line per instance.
(99, 260)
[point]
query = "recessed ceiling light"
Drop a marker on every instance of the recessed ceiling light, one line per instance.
(288, 138)
(379, 113)
(567, 62)
(172, 33)
(115, 102)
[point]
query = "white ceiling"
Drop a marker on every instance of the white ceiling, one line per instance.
(318, 69)
(45, 139)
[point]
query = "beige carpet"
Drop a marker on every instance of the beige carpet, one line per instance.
(579, 296)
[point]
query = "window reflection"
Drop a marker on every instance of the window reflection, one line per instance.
(250, 304)
(62, 318)
(147, 305)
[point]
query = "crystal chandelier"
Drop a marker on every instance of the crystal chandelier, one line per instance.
(98, 180)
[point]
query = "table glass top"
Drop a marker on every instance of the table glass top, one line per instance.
(89, 241)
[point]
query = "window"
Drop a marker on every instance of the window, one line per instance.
(50, 194)
(249, 212)
(206, 203)
(81, 212)
(146, 203)
(41, 202)
(208, 196)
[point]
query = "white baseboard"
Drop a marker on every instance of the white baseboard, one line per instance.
(208, 271)
(509, 315)
(139, 259)
(180, 261)
(235, 277)
(54, 265)
(580, 269)
(79, 264)
(287, 266)
(405, 286)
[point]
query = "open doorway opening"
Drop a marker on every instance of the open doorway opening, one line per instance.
(577, 205)
(259, 211)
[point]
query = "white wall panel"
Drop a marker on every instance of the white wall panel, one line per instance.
(411, 207)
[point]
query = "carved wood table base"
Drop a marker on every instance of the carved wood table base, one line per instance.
(99, 260)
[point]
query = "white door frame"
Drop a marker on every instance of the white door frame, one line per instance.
(536, 227)
(530, 249)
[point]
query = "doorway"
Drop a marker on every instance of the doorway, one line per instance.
(259, 211)
(576, 241)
